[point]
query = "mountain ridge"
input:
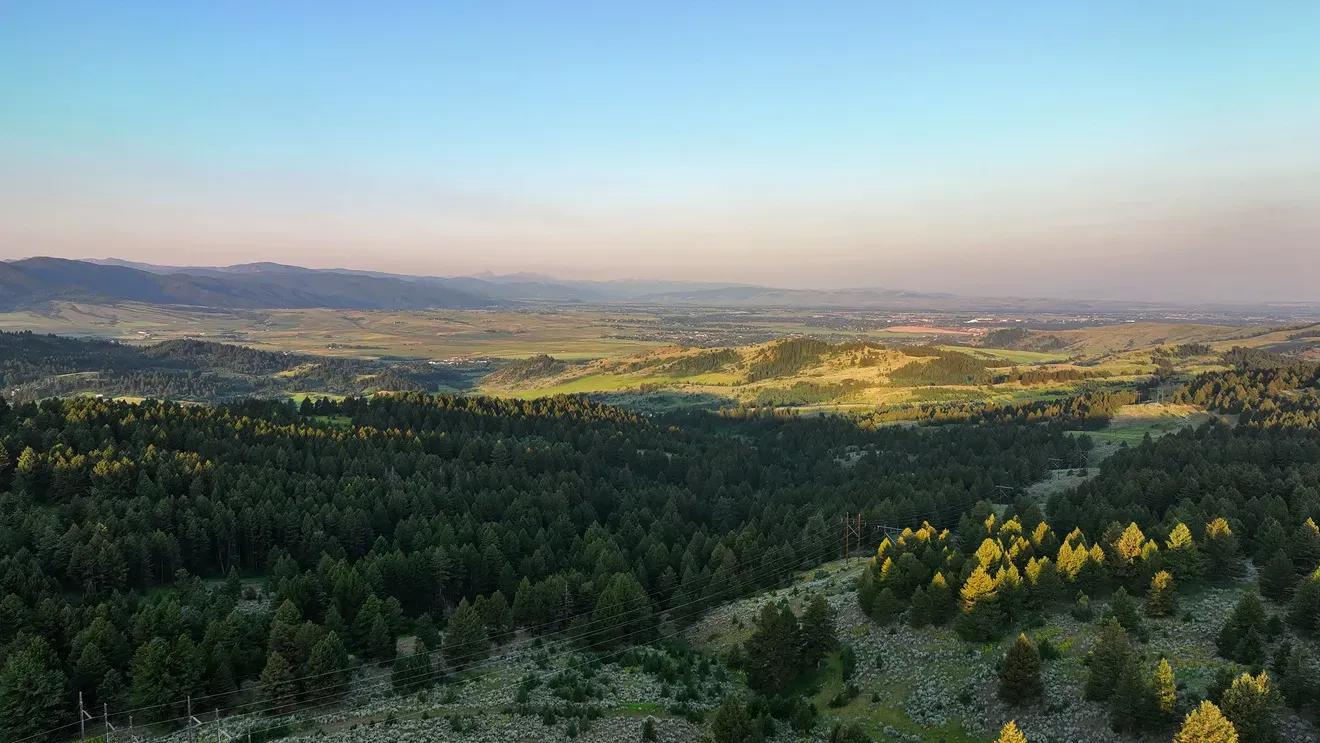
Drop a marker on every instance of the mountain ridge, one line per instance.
(37, 281)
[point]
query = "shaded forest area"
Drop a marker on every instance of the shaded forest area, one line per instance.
(34, 366)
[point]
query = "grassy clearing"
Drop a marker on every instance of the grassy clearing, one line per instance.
(1133, 423)
(298, 397)
(1009, 354)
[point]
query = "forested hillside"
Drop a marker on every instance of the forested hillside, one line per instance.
(155, 551)
(34, 366)
(1169, 521)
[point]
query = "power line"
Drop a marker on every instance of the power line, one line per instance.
(493, 664)
(574, 633)
(800, 541)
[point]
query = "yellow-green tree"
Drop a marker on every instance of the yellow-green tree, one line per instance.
(1166, 689)
(981, 617)
(1011, 734)
(1181, 554)
(1206, 724)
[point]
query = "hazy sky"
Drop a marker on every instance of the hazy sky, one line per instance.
(1112, 149)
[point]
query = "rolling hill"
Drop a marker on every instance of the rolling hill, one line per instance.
(34, 366)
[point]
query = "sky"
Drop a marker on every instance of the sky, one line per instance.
(1127, 150)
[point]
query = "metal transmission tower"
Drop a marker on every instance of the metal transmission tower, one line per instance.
(852, 533)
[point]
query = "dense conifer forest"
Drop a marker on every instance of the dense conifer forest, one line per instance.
(132, 534)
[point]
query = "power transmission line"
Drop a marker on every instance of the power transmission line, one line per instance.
(493, 665)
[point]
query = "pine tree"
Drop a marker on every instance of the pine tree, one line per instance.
(1206, 724)
(1160, 601)
(622, 612)
(151, 679)
(847, 733)
(1043, 582)
(885, 606)
(818, 637)
(1305, 545)
(980, 617)
(1081, 609)
(1166, 689)
(772, 650)
(1300, 681)
(1304, 609)
(1223, 555)
(426, 632)
(1019, 672)
(1107, 660)
(32, 689)
(1278, 576)
(334, 622)
(1127, 554)
(327, 666)
(412, 672)
(284, 629)
(465, 638)
(1242, 636)
(1132, 706)
(380, 641)
(1124, 609)
(1010, 733)
(1252, 704)
(732, 724)
(919, 609)
(941, 599)
(277, 684)
(1181, 555)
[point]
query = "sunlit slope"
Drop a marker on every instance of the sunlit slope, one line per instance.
(803, 372)
(806, 372)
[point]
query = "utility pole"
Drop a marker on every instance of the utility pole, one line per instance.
(82, 719)
(567, 610)
(192, 722)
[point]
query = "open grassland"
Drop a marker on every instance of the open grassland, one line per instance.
(1011, 356)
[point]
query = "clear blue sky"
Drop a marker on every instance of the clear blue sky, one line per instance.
(821, 144)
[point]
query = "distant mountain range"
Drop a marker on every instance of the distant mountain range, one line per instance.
(34, 282)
